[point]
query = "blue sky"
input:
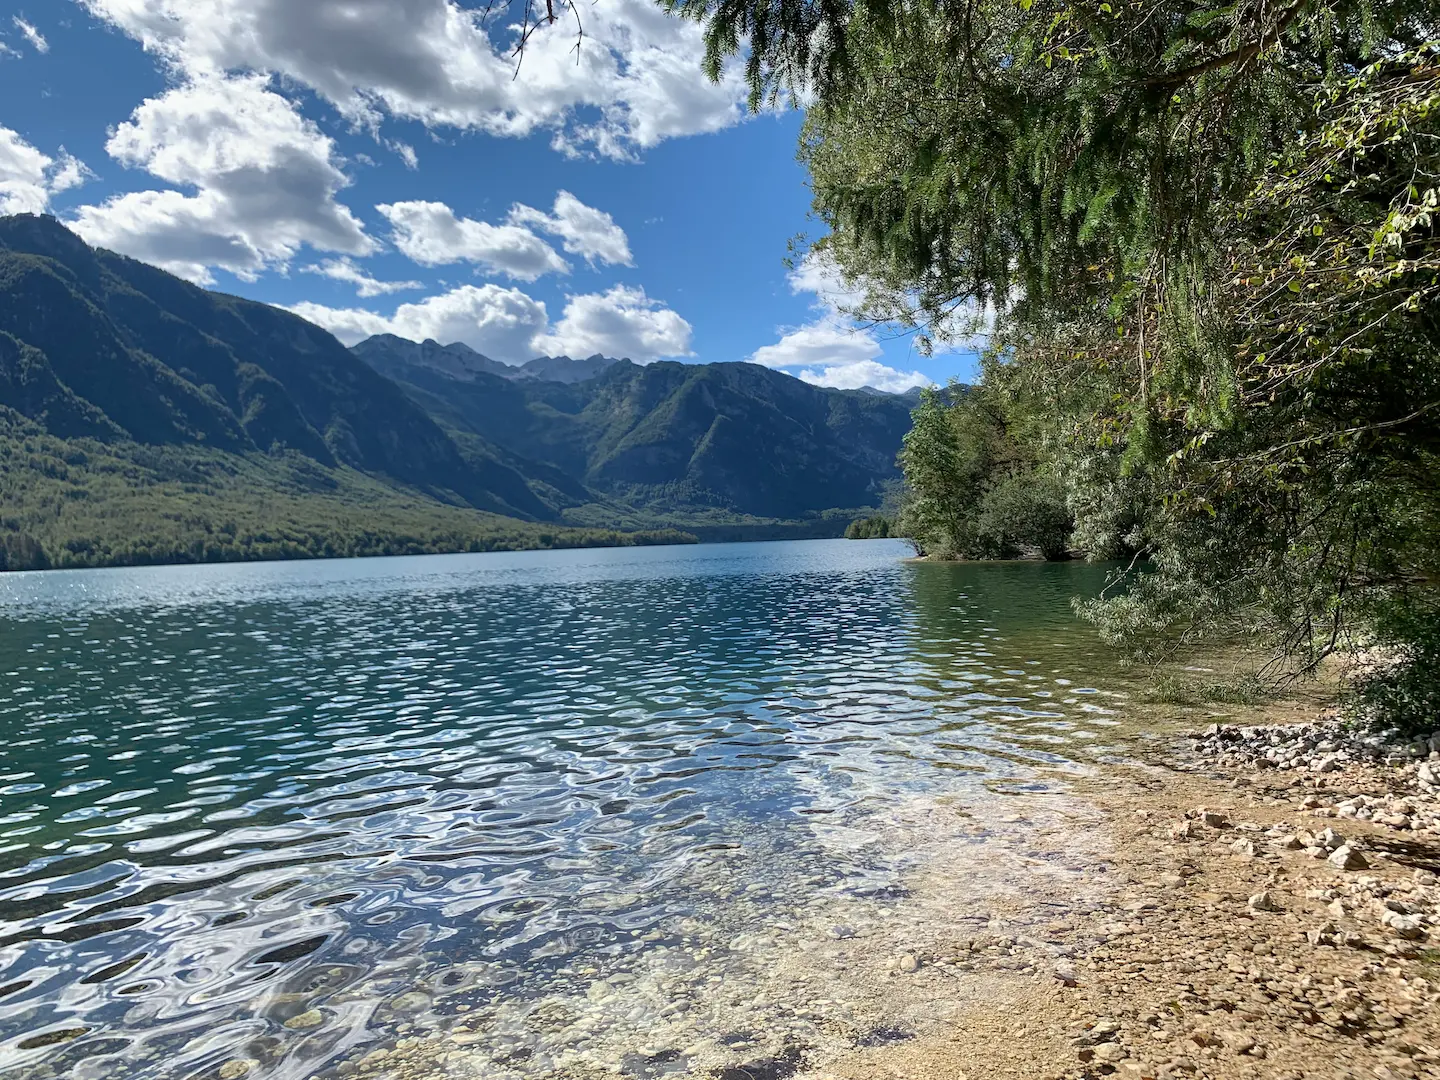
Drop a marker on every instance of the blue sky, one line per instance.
(376, 165)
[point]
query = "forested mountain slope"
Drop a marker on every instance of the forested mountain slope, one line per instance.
(670, 436)
(144, 419)
(93, 343)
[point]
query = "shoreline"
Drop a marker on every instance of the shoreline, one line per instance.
(1161, 920)
(1243, 942)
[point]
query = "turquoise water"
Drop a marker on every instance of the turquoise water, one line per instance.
(278, 812)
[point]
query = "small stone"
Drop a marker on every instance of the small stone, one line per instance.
(411, 1002)
(1212, 819)
(1347, 858)
(306, 1020)
(1410, 927)
(1263, 901)
(1110, 1053)
(1238, 1041)
(235, 1068)
(1244, 847)
(909, 964)
(1066, 974)
(1185, 830)
(840, 932)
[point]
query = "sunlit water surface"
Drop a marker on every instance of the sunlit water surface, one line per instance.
(276, 813)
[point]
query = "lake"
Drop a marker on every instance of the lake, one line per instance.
(598, 812)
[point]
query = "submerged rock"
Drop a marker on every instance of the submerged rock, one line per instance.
(306, 1020)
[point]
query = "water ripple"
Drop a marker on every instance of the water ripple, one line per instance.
(242, 807)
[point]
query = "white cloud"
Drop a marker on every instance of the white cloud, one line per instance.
(831, 350)
(265, 182)
(827, 342)
(621, 322)
(637, 79)
(34, 37)
(432, 235)
(508, 325)
(864, 373)
(407, 154)
(585, 231)
(366, 286)
(28, 178)
(818, 274)
(501, 323)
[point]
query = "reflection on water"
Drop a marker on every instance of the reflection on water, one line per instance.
(281, 814)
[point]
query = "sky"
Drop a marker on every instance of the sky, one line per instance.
(380, 166)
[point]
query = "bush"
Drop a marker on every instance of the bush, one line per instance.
(1023, 514)
(870, 528)
(1402, 690)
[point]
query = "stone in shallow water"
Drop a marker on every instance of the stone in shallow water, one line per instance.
(306, 1020)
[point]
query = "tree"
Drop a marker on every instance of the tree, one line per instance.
(977, 489)
(1207, 238)
(874, 527)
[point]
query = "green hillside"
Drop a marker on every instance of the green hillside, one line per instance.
(144, 419)
(669, 438)
(91, 502)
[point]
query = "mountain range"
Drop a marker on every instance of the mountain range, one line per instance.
(104, 356)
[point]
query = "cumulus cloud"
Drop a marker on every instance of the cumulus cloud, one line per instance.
(264, 179)
(832, 350)
(501, 323)
(431, 234)
(34, 37)
(28, 178)
(345, 270)
(622, 321)
(508, 325)
(583, 230)
(818, 275)
(826, 342)
(638, 78)
(864, 373)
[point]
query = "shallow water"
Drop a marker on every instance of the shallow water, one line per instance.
(283, 813)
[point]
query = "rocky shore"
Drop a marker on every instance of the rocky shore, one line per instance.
(1248, 903)
(1278, 898)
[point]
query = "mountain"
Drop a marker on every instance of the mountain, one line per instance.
(670, 437)
(145, 419)
(565, 370)
(458, 361)
(389, 354)
(93, 343)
